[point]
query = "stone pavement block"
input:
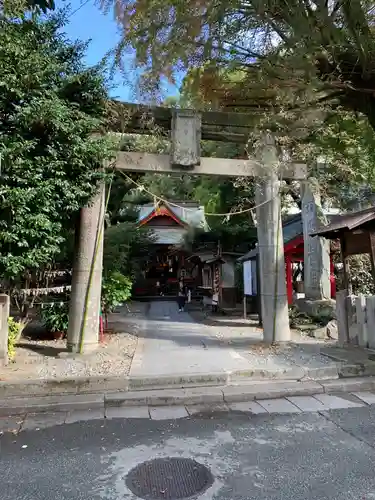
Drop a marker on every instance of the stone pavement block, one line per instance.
(352, 384)
(196, 395)
(83, 415)
(306, 403)
(11, 424)
(367, 397)
(349, 396)
(248, 406)
(322, 373)
(36, 421)
(14, 406)
(271, 374)
(145, 382)
(200, 409)
(279, 405)
(127, 412)
(168, 413)
(203, 395)
(335, 403)
(270, 390)
(102, 384)
(35, 388)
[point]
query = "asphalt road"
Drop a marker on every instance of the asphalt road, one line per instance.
(259, 457)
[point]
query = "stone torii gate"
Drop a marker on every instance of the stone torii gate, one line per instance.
(186, 129)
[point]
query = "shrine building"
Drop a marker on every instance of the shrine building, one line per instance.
(169, 224)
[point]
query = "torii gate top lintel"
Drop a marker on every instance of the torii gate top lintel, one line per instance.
(218, 126)
(185, 126)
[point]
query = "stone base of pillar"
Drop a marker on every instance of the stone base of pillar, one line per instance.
(317, 309)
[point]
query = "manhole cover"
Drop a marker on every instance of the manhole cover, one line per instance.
(169, 479)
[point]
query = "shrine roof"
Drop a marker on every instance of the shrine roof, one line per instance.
(292, 229)
(188, 213)
(347, 222)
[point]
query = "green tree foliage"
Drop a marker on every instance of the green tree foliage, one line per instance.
(294, 65)
(55, 317)
(125, 248)
(116, 290)
(346, 142)
(294, 43)
(44, 5)
(343, 138)
(50, 104)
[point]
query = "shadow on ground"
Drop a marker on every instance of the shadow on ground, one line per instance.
(43, 350)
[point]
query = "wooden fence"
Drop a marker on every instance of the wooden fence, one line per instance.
(355, 319)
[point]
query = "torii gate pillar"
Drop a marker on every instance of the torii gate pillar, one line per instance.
(273, 294)
(84, 310)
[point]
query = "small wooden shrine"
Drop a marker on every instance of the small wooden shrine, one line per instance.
(218, 275)
(356, 233)
(355, 313)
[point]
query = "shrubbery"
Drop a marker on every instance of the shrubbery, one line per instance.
(116, 289)
(14, 331)
(55, 317)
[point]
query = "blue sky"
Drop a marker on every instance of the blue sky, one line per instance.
(90, 23)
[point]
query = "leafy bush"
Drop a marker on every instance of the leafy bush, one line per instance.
(49, 154)
(55, 316)
(116, 289)
(360, 274)
(14, 330)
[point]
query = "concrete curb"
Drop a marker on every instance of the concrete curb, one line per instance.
(52, 404)
(107, 384)
(183, 397)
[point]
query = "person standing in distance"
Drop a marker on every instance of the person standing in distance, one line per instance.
(181, 295)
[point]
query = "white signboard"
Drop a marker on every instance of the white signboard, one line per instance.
(250, 277)
(254, 278)
(247, 278)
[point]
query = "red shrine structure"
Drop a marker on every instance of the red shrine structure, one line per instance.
(293, 254)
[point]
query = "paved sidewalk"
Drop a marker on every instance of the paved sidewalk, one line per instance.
(174, 343)
(279, 406)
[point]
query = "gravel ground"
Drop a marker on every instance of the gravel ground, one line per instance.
(40, 359)
(245, 337)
